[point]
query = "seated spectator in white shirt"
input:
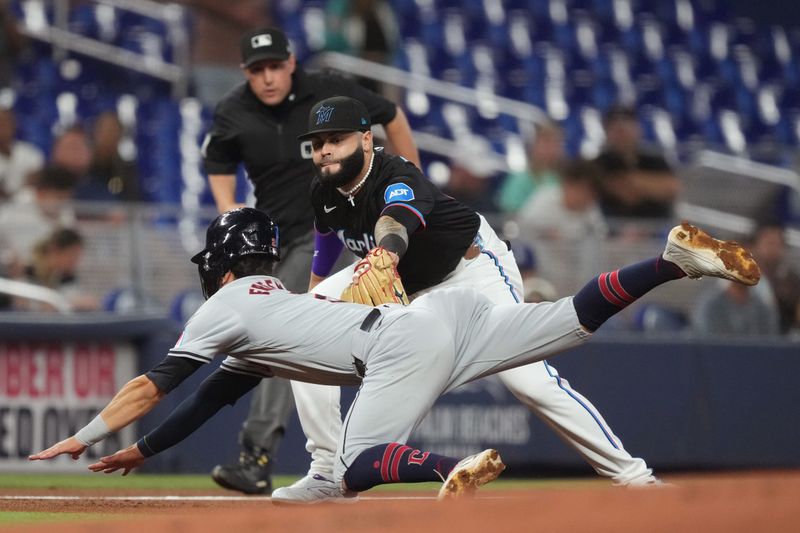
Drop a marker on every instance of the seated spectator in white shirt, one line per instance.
(54, 264)
(18, 159)
(567, 211)
(36, 212)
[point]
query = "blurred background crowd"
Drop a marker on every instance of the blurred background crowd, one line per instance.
(584, 129)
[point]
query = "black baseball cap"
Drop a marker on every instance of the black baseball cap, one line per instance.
(262, 44)
(338, 113)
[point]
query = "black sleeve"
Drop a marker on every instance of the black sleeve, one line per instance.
(653, 162)
(171, 372)
(221, 151)
(611, 163)
(219, 389)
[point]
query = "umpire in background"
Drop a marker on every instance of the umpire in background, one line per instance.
(257, 124)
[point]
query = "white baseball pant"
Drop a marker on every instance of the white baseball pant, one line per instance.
(575, 420)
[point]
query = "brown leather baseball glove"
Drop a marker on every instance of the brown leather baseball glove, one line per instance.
(376, 281)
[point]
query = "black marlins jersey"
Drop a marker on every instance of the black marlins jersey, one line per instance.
(440, 229)
(264, 138)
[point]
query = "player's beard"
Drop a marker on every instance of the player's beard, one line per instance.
(349, 169)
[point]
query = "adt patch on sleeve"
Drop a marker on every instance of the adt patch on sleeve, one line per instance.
(398, 192)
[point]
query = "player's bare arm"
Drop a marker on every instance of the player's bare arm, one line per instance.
(223, 187)
(398, 133)
(391, 235)
(221, 388)
(136, 398)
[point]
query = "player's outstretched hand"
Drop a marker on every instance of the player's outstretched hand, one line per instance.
(70, 446)
(125, 460)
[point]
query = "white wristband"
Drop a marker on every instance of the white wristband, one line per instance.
(93, 432)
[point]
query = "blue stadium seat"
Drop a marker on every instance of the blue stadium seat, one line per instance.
(184, 305)
(126, 300)
(788, 128)
(656, 317)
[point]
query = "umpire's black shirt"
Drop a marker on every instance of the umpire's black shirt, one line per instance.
(264, 138)
(440, 229)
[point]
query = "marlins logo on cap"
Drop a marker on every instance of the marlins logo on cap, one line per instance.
(324, 114)
(337, 113)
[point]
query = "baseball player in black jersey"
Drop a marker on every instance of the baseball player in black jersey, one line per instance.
(257, 125)
(364, 198)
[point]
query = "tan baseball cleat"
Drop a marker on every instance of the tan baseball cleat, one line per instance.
(699, 254)
(471, 473)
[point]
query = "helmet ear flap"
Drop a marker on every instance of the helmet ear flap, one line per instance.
(211, 272)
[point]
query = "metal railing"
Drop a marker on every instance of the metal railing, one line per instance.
(29, 291)
(57, 34)
(725, 192)
(418, 83)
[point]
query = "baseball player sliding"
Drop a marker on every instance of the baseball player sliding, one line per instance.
(405, 357)
(366, 200)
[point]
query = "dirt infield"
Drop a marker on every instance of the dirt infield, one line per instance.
(763, 502)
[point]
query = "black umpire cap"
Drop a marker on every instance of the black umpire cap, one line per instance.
(263, 44)
(338, 113)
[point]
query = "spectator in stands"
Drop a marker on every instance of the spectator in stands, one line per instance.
(727, 310)
(216, 66)
(72, 151)
(35, 213)
(109, 172)
(362, 28)
(568, 211)
(18, 159)
(11, 44)
(637, 181)
(54, 264)
(769, 249)
(545, 153)
(471, 172)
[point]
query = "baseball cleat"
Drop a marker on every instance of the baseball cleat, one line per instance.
(312, 489)
(251, 475)
(471, 473)
(698, 254)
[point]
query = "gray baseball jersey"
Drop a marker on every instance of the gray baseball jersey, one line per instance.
(267, 331)
(409, 355)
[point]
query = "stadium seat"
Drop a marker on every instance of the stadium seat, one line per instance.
(126, 300)
(652, 317)
(184, 304)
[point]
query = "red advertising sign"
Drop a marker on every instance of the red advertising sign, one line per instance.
(49, 390)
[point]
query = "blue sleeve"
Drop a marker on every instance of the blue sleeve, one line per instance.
(219, 389)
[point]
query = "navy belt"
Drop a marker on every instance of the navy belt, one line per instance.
(370, 320)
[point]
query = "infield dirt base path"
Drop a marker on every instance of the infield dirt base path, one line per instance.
(759, 503)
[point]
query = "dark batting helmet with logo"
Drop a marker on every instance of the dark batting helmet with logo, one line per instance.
(240, 232)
